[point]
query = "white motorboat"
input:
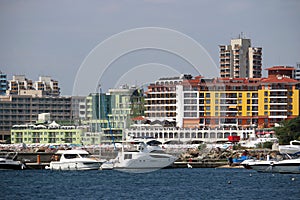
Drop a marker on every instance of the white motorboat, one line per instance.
(145, 159)
(73, 160)
(293, 148)
(10, 162)
(258, 165)
(286, 166)
(273, 166)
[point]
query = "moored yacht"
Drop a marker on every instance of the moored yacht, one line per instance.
(273, 166)
(292, 148)
(286, 166)
(258, 165)
(73, 160)
(11, 162)
(145, 159)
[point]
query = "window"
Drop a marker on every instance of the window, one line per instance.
(207, 95)
(70, 156)
(266, 93)
(127, 156)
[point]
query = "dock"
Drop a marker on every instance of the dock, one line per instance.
(200, 164)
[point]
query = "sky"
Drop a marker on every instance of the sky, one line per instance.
(56, 38)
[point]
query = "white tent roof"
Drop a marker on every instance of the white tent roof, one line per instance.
(54, 125)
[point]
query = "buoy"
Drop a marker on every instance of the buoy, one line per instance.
(292, 178)
(229, 182)
(250, 174)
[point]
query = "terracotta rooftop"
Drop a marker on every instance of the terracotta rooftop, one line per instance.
(138, 118)
(287, 68)
(279, 79)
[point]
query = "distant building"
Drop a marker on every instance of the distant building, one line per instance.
(24, 109)
(21, 85)
(52, 133)
(240, 60)
(297, 71)
(109, 113)
(285, 71)
(78, 108)
(3, 83)
(18, 83)
(223, 102)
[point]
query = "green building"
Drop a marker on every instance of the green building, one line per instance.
(109, 113)
(46, 134)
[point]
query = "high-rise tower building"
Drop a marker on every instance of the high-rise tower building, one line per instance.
(240, 60)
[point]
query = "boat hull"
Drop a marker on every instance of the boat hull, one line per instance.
(144, 162)
(284, 166)
(287, 166)
(12, 166)
(75, 165)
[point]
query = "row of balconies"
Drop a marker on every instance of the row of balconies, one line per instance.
(160, 101)
(161, 95)
(160, 115)
(162, 108)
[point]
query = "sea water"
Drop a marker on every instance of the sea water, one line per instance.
(162, 184)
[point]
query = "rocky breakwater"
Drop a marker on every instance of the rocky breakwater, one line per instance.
(209, 157)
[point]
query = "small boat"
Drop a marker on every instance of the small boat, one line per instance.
(73, 160)
(273, 166)
(286, 166)
(11, 162)
(258, 165)
(292, 148)
(145, 159)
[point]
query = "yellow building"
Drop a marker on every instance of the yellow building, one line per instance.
(187, 102)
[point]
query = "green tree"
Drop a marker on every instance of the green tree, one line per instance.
(288, 130)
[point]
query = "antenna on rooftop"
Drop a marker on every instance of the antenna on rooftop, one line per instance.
(242, 35)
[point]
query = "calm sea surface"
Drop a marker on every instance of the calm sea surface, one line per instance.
(162, 184)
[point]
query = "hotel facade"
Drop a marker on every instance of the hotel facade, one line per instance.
(188, 102)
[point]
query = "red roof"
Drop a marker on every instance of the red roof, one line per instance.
(138, 118)
(279, 79)
(287, 68)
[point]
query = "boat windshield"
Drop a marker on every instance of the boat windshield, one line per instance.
(71, 156)
(157, 151)
(85, 155)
